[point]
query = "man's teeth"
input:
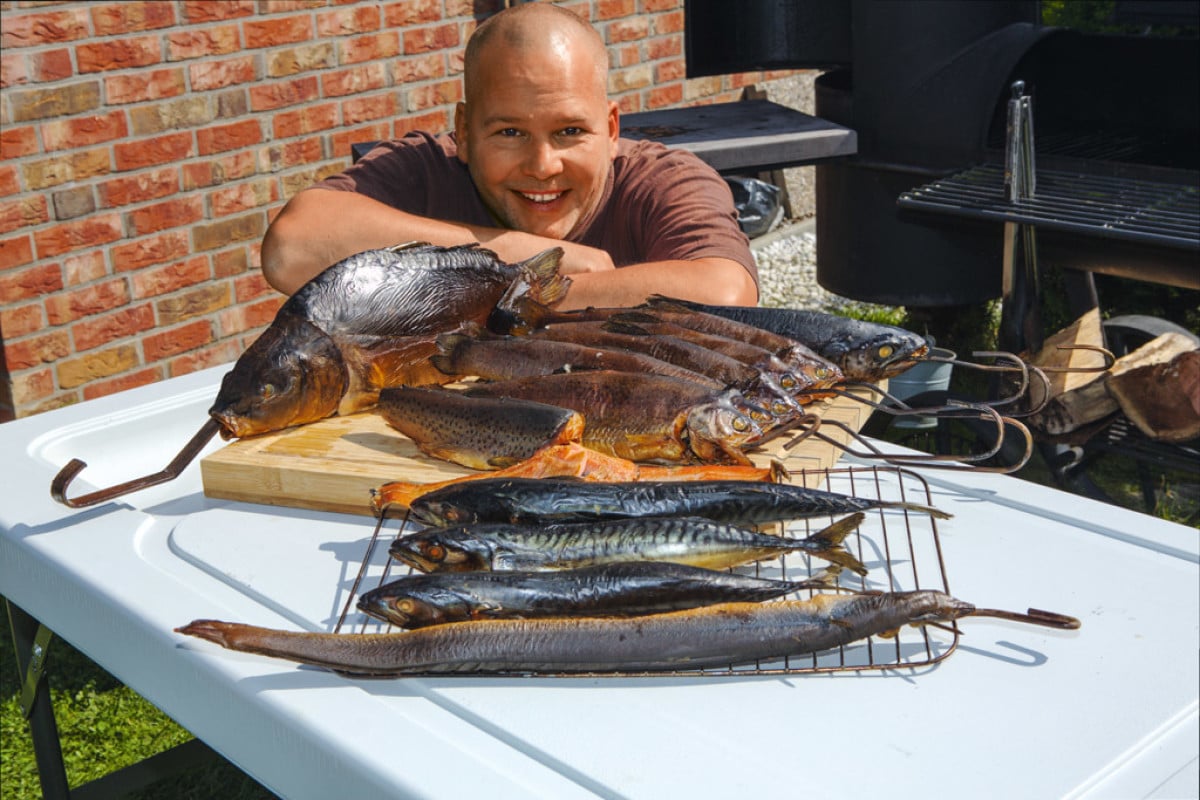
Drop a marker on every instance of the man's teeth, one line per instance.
(542, 198)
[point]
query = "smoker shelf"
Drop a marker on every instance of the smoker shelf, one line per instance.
(1125, 209)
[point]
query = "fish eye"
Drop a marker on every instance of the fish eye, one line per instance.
(406, 606)
(885, 351)
(434, 551)
(740, 423)
(824, 373)
(787, 381)
(268, 391)
(779, 408)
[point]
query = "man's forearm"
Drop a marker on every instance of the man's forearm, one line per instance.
(717, 281)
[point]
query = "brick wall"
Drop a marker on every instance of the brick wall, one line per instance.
(147, 145)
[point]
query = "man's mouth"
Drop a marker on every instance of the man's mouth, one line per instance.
(541, 197)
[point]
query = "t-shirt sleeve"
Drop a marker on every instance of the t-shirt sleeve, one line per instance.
(678, 207)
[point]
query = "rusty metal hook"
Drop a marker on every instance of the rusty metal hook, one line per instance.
(58, 487)
(1034, 616)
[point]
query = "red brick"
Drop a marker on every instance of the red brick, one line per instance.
(198, 43)
(59, 101)
(13, 253)
(67, 236)
(14, 69)
(16, 142)
(401, 15)
(23, 211)
(121, 383)
(629, 30)
(171, 148)
(52, 65)
(110, 54)
(234, 136)
(341, 141)
(177, 340)
(63, 168)
(173, 213)
(231, 229)
(305, 120)
(103, 329)
(280, 93)
(348, 21)
(98, 364)
(138, 188)
(196, 11)
(664, 96)
(361, 109)
(16, 321)
(624, 80)
(10, 183)
(113, 19)
(436, 121)
(32, 386)
(84, 268)
(231, 167)
(626, 56)
(205, 357)
(230, 263)
(171, 277)
(425, 40)
(140, 253)
(68, 134)
(29, 284)
(251, 286)
(664, 47)
(669, 23)
(68, 306)
(356, 80)
(655, 6)
(673, 70)
(198, 301)
(277, 31)
(36, 350)
(43, 27)
(253, 315)
(208, 75)
(306, 58)
(243, 197)
(144, 85)
(374, 47)
(611, 9)
(418, 68)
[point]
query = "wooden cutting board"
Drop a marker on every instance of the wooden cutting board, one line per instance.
(333, 465)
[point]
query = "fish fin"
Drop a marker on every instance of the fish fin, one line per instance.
(778, 472)
(936, 513)
(827, 543)
(889, 634)
(634, 317)
(548, 286)
(413, 245)
(628, 328)
(672, 303)
(501, 462)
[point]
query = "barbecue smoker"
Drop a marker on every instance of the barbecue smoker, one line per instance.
(927, 85)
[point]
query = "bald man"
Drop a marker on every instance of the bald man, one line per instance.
(535, 160)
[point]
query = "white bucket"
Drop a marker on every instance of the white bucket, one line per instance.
(926, 376)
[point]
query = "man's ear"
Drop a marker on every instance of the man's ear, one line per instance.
(614, 125)
(460, 131)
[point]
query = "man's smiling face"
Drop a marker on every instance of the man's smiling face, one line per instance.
(538, 135)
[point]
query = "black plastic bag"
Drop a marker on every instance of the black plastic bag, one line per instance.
(758, 204)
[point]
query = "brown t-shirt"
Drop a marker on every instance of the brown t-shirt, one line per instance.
(659, 204)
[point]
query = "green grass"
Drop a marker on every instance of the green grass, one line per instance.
(103, 726)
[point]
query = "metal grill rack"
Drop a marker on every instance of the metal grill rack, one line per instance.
(1149, 212)
(900, 548)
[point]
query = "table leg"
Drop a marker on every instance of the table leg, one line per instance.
(30, 648)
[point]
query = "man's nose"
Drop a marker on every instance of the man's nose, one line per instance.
(543, 161)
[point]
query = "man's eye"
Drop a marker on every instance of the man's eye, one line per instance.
(508, 132)
(572, 131)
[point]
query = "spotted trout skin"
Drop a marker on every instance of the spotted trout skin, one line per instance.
(565, 545)
(524, 500)
(369, 321)
(482, 433)
(715, 636)
(631, 588)
(865, 351)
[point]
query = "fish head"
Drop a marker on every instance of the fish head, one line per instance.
(440, 513)
(409, 606)
(717, 430)
(928, 606)
(442, 550)
(291, 375)
(884, 352)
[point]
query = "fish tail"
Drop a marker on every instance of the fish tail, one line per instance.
(827, 543)
(548, 285)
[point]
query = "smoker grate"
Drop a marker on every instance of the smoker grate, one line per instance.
(900, 548)
(1164, 214)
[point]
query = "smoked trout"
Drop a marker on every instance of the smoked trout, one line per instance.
(865, 351)
(640, 417)
(608, 590)
(715, 636)
(695, 541)
(368, 322)
(478, 432)
(523, 500)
